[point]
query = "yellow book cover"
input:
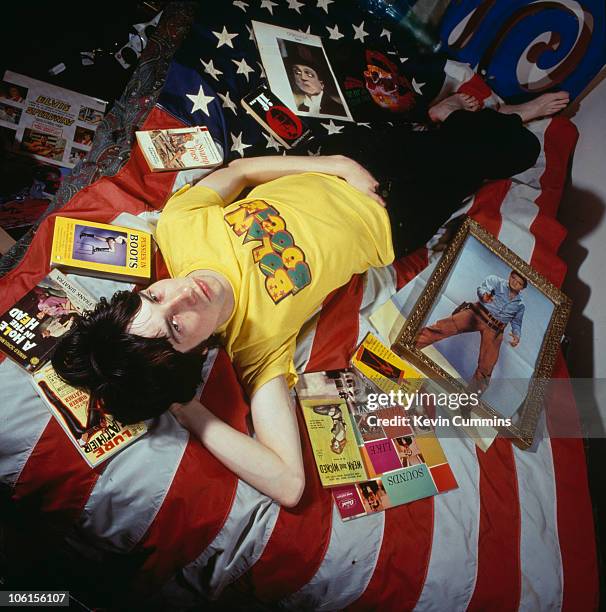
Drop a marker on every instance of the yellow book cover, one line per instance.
(384, 368)
(333, 441)
(99, 249)
(97, 436)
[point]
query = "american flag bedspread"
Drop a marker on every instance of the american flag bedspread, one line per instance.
(516, 534)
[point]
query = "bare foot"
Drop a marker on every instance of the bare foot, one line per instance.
(544, 106)
(440, 111)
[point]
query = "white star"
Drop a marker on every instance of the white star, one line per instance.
(360, 34)
(312, 154)
(295, 5)
(200, 101)
(308, 31)
(225, 38)
(243, 67)
(385, 32)
(251, 34)
(240, 4)
(271, 142)
(237, 144)
(227, 102)
(366, 125)
(403, 59)
(261, 70)
(334, 33)
(417, 86)
(209, 68)
(324, 4)
(332, 128)
(269, 5)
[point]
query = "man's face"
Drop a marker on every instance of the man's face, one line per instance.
(306, 79)
(516, 283)
(185, 310)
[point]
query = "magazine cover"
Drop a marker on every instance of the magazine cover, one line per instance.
(52, 124)
(96, 435)
(99, 249)
(299, 73)
(31, 327)
(275, 117)
(401, 456)
(178, 149)
(322, 396)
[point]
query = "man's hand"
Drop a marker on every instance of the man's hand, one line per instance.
(515, 340)
(357, 176)
(188, 414)
(486, 297)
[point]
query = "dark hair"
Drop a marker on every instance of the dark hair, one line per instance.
(524, 281)
(132, 377)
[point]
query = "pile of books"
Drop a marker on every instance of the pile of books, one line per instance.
(372, 441)
(30, 328)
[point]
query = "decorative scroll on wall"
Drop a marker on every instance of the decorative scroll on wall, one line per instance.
(524, 47)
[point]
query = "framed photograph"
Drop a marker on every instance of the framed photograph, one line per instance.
(496, 321)
(299, 72)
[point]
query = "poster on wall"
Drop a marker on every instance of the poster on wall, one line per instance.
(49, 123)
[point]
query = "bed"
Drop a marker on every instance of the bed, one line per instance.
(164, 524)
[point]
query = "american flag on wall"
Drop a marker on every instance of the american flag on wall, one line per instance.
(517, 534)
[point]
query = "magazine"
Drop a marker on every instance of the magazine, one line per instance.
(31, 327)
(178, 149)
(102, 250)
(299, 72)
(275, 117)
(96, 435)
(402, 458)
(49, 123)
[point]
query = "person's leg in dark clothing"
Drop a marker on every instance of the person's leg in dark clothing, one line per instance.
(425, 176)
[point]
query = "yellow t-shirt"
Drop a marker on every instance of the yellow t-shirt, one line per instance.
(283, 248)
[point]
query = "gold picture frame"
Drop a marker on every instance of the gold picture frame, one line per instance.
(473, 241)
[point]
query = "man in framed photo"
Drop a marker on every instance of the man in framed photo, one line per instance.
(499, 304)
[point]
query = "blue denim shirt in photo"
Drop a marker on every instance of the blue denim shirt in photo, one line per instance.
(501, 306)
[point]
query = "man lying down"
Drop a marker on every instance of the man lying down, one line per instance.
(247, 273)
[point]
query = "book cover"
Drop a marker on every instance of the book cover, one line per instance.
(96, 435)
(31, 327)
(322, 397)
(99, 249)
(384, 368)
(275, 117)
(179, 149)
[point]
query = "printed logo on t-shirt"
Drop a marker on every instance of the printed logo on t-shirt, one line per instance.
(280, 260)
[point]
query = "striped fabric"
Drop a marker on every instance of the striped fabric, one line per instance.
(516, 534)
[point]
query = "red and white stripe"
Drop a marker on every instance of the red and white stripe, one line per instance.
(516, 534)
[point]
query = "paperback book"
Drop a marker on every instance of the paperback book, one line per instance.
(102, 250)
(179, 149)
(275, 117)
(96, 434)
(32, 326)
(402, 459)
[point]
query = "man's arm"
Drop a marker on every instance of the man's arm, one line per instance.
(272, 462)
(516, 326)
(486, 290)
(230, 180)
